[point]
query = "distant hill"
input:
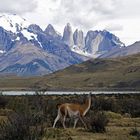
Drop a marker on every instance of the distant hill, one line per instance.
(99, 74)
(120, 52)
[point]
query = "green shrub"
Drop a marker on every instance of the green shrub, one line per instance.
(18, 127)
(26, 120)
(105, 104)
(135, 132)
(131, 106)
(97, 122)
(3, 101)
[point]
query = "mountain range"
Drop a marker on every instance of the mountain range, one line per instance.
(27, 50)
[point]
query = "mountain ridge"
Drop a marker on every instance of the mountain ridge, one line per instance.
(17, 36)
(71, 48)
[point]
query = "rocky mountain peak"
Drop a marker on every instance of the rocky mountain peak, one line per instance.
(47, 50)
(100, 42)
(78, 38)
(68, 35)
(52, 32)
(34, 28)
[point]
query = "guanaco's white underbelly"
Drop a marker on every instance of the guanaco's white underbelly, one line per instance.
(72, 113)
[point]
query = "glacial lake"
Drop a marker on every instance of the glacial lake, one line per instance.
(67, 92)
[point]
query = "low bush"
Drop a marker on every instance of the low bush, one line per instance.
(18, 127)
(131, 106)
(97, 122)
(3, 101)
(5, 112)
(105, 104)
(135, 132)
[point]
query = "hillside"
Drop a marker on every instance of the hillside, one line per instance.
(98, 74)
(125, 51)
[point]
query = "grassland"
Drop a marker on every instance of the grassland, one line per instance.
(117, 129)
(40, 111)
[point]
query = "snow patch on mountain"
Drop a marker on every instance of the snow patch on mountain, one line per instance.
(29, 35)
(77, 50)
(119, 43)
(40, 44)
(17, 39)
(2, 51)
(13, 23)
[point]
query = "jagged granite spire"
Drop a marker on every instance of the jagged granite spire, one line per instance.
(78, 38)
(68, 35)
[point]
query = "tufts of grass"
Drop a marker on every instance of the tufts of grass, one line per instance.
(135, 132)
(112, 115)
(57, 134)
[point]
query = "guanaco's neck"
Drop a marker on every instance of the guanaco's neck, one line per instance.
(87, 105)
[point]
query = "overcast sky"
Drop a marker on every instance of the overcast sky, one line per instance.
(121, 17)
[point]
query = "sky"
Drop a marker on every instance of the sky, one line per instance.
(120, 17)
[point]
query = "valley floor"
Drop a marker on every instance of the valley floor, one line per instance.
(113, 133)
(33, 116)
(116, 130)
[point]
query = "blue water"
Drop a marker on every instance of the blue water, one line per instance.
(67, 92)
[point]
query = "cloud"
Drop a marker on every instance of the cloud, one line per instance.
(129, 9)
(121, 17)
(114, 27)
(18, 6)
(81, 13)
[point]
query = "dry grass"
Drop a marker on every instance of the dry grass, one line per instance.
(3, 118)
(118, 129)
(113, 115)
(125, 122)
(113, 133)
